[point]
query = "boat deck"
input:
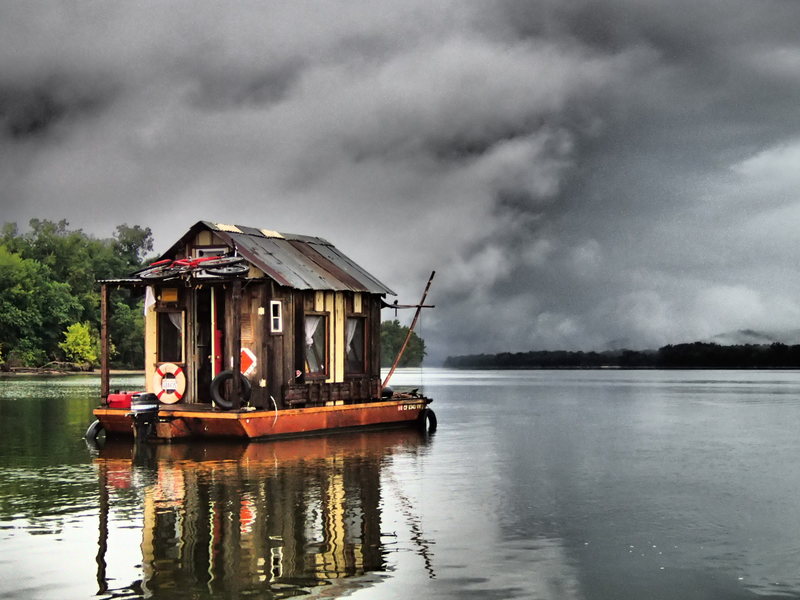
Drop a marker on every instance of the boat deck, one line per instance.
(182, 420)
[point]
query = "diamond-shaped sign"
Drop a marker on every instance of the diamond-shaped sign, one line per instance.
(248, 362)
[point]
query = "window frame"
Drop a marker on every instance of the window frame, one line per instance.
(161, 314)
(325, 372)
(363, 369)
(273, 304)
(212, 250)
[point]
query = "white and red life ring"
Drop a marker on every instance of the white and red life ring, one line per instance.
(169, 383)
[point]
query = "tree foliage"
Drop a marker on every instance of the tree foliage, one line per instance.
(79, 345)
(34, 309)
(48, 282)
(392, 336)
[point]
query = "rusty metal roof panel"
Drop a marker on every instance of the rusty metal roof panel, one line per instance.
(298, 261)
(343, 262)
(273, 255)
(330, 268)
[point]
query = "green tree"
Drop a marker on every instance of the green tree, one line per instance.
(34, 306)
(126, 325)
(79, 344)
(392, 336)
(76, 261)
(133, 243)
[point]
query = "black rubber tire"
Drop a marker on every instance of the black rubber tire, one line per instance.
(159, 273)
(235, 269)
(427, 421)
(222, 261)
(216, 390)
(94, 430)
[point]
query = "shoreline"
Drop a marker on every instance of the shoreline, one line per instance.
(52, 373)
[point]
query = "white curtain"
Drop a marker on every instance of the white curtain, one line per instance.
(350, 333)
(312, 322)
(177, 319)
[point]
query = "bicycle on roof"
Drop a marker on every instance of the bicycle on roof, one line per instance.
(212, 265)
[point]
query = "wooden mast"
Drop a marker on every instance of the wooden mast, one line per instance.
(236, 338)
(410, 331)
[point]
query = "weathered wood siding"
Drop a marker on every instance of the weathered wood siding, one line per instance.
(150, 347)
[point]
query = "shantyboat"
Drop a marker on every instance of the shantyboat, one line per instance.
(297, 320)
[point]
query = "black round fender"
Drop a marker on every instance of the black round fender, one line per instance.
(427, 420)
(216, 390)
(95, 429)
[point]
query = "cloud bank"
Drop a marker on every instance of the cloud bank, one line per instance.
(581, 175)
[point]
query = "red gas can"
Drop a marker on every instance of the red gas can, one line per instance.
(120, 399)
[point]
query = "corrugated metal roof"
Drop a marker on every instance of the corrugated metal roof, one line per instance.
(298, 261)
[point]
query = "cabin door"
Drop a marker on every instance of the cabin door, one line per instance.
(210, 303)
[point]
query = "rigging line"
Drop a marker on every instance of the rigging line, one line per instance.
(422, 343)
(275, 404)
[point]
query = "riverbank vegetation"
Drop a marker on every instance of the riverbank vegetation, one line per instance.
(50, 301)
(696, 355)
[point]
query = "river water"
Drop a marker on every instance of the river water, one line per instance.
(538, 484)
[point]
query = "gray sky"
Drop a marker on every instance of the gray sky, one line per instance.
(581, 175)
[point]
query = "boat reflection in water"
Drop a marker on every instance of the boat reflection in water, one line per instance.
(275, 519)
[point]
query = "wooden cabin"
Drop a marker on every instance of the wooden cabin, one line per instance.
(302, 325)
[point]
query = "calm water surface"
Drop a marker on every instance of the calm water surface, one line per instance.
(538, 484)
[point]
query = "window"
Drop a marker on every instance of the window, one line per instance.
(210, 251)
(170, 337)
(354, 343)
(205, 251)
(316, 328)
(275, 317)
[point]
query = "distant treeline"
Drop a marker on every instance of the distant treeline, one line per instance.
(697, 355)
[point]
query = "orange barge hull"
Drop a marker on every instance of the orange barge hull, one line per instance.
(176, 421)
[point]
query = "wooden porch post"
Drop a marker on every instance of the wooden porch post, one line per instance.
(236, 337)
(104, 384)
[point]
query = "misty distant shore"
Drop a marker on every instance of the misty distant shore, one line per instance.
(696, 355)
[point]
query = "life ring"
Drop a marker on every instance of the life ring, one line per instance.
(169, 393)
(216, 390)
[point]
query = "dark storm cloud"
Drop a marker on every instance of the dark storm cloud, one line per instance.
(37, 110)
(581, 174)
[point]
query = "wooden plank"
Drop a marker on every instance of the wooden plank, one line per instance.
(189, 334)
(331, 335)
(288, 342)
(374, 341)
(299, 321)
(259, 334)
(234, 333)
(150, 347)
(338, 337)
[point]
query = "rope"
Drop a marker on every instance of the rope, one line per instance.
(422, 362)
(275, 404)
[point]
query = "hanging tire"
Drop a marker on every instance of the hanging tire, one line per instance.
(234, 269)
(216, 390)
(95, 429)
(427, 421)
